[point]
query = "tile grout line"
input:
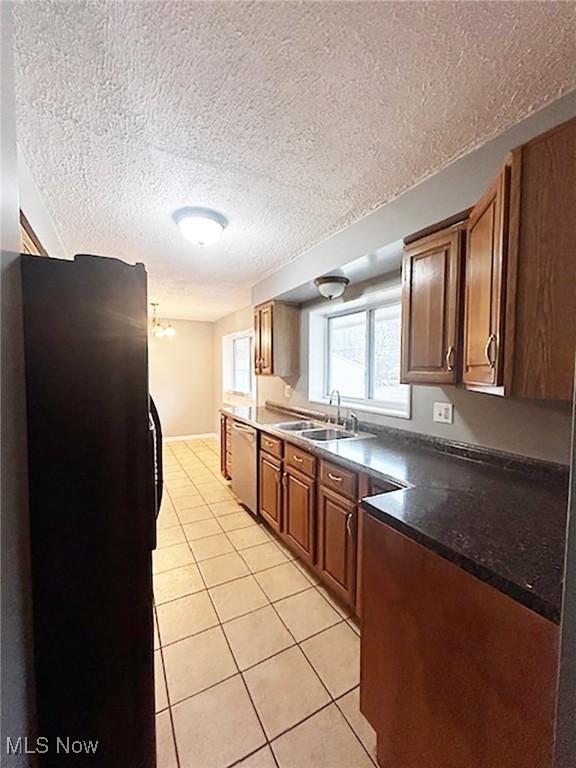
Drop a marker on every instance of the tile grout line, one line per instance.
(332, 699)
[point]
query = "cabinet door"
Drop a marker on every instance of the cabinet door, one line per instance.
(485, 288)
(257, 342)
(270, 505)
(431, 308)
(266, 340)
(337, 542)
(474, 669)
(298, 512)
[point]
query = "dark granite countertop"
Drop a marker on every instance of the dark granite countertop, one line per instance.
(501, 522)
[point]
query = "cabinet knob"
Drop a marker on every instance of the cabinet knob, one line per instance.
(492, 340)
(450, 358)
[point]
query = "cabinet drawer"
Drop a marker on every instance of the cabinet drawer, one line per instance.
(300, 460)
(341, 480)
(271, 445)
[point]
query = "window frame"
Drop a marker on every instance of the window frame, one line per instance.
(235, 388)
(367, 305)
(230, 393)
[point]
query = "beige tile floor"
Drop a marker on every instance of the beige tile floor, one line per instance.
(256, 665)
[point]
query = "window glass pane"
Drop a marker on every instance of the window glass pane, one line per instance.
(386, 369)
(242, 364)
(347, 355)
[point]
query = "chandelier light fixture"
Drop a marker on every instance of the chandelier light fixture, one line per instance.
(156, 327)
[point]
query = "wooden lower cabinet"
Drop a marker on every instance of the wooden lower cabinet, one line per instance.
(337, 542)
(299, 510)
(453, 672)
(270, 487)
(224, 447)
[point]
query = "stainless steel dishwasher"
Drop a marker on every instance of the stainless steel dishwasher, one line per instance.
(244, 464)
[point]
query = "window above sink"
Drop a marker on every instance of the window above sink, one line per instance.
(354, 347)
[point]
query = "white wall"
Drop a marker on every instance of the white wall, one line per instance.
(182, 378)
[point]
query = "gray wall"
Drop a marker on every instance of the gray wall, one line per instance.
(17, 687)
(540, 430)
(521, 427)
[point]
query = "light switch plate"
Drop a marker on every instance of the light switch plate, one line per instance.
(287, 391)
(444, 413)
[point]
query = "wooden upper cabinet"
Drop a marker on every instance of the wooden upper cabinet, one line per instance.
(276, 339)
(266, 340)
(485, 270)
(431, 308)
(337, 542)
(270, 496)
(542, 304)
(299, 509)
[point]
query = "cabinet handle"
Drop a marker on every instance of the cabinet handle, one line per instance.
(297, 459)
(450, 358)
(284, 476)
(269, 443)
(349, 523)
(488, 348)
(336, 478)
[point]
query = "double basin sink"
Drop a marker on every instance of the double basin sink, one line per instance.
(316, 432)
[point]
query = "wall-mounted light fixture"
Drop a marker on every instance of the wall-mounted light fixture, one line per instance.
(156, 327)
(201, 226)
(331, 287)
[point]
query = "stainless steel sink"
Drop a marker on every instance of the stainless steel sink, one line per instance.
(296, 426)
(328, 434)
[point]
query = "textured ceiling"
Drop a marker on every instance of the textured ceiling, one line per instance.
(293, 119)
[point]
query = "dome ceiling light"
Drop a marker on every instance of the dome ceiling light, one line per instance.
(331, 287)
(201, 226)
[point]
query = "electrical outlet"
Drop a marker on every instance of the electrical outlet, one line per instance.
(443, 413)
(287, 391)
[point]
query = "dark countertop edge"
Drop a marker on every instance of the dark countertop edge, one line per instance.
(509, 588)
(311, 447)
(516, 592)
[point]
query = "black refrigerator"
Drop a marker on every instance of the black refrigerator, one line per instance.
(95, 474)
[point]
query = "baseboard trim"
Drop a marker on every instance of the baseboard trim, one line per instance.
(190, 437)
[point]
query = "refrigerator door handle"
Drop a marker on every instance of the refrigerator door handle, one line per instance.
(158, 454)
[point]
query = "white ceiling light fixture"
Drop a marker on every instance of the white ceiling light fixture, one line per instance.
(201, 226)
(332, 287)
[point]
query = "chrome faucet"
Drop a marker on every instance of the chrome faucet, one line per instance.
(337, 393)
